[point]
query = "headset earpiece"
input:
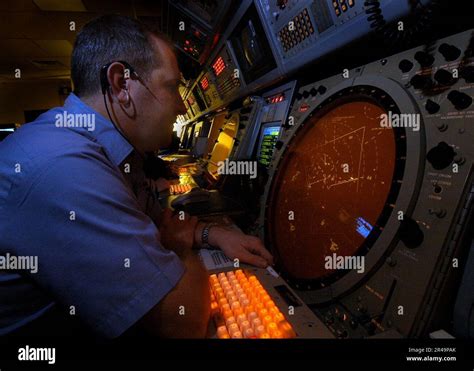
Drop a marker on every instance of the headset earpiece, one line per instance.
(104, 81)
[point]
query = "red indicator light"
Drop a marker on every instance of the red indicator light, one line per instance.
(304, 107)
(218, 66)
(204, 83)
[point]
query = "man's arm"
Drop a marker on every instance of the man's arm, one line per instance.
(184, 312)
(107, 261)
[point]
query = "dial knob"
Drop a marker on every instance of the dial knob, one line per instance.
(449, 52)
(444, 77)
(322, 89)
(313, 92)
(431, 107)
(305, 94)
(298, 96)
(405, 65)
(441, 156)
(467, 73)
(421, 82)
(410, 233)
(424, 59)
(459, 100)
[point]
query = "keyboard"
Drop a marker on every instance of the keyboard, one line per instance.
(242, 308)
(177, 189)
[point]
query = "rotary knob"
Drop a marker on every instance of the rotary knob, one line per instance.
(421, 82)
(410, 233)
(424, 59)
(405, 65)
(441, 156)
(313, 92)
(444, 77)
(322, 89)
(459, 100)
(431, 107)
(467, 73)
(305, 94)
(449, 52)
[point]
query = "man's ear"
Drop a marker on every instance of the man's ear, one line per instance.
(118, 83)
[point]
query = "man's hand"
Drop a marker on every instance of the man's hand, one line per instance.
(235, 244)
(176, 234)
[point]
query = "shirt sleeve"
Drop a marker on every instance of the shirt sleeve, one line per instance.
(98, 254)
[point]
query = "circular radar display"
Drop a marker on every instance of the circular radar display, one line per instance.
(331, 188)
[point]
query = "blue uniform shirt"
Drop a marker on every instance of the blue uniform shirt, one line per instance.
(65, 201)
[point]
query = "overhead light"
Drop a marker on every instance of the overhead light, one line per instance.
(61, 5)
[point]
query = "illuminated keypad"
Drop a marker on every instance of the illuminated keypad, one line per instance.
(242, 308)
(177, 189)
(297, 30)
(341, 6)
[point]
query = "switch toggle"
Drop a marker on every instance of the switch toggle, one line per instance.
(440, 213)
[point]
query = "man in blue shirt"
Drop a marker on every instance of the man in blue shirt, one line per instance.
(72, 197)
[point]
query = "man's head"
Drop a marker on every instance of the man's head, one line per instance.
(143, 108)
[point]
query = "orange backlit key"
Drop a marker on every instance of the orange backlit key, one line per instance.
(242, 308)
(249, 333)
(222, 332)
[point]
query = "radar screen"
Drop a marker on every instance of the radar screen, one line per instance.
(334, 188)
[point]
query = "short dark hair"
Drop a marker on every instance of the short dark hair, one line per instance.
(107, 39)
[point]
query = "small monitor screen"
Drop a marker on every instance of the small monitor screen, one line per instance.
(268, 137)
(251, 47)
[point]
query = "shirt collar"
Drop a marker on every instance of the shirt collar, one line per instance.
(104, 132)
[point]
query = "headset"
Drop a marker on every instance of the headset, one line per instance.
(153, 167)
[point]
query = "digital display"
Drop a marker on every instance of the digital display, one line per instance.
(276, 98)
(269, 137)
(335, 177)
(218, 66)
(204, 83)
